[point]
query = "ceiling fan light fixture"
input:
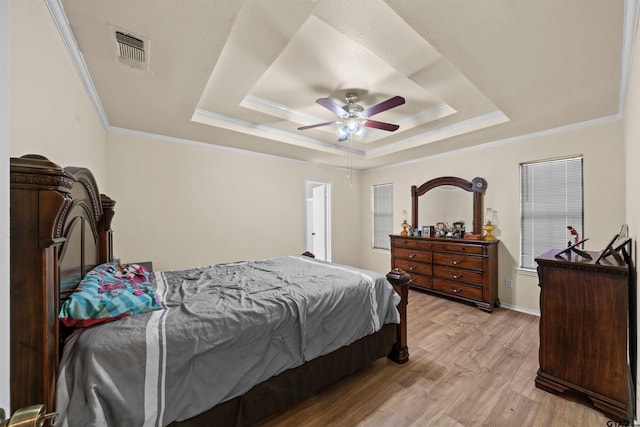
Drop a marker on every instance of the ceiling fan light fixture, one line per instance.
(343, 132)
(351, 127)
(355, 118)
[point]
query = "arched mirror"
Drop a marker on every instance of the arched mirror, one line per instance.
(449, 198)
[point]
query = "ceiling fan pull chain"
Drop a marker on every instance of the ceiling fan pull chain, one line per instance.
(350, 163)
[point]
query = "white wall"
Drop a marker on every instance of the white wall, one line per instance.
(603, 150)
(632, 160)
(195, 204)
(4, 205)
(51, 113)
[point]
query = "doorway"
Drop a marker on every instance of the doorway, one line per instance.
(318, 219)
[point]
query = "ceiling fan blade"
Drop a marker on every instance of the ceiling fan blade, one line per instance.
(316, 125)
(381, 125)
(384, 106)
(332, 106)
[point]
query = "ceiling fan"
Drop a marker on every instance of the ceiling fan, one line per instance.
(354, 118)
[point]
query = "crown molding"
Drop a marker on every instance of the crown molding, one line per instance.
(62, 23)
(459, 128)
(234, 150)
(519, 138)
(630, 24)
(256, 129)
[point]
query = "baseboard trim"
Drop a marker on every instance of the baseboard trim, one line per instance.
(520, 309)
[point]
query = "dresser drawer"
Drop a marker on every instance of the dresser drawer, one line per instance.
(412, 267)
(458, 260)
(420, 281)
(412, 254)
(457, 289)
(464, 248)
(438, 246)
(458, 274)
(405, 243)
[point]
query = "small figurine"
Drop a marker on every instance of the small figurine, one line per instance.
(442, 228)
(574, 233)
(458, 230)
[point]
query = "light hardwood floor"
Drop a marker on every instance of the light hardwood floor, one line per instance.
(466, 368)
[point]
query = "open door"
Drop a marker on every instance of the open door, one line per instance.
(318, 219)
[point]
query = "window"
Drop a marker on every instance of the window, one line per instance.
(382, 215)
(550, 200)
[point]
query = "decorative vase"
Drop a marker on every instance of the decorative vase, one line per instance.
(405, 229)
(489, 229)
(489, 226)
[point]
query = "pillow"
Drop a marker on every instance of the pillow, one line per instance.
(108, 292)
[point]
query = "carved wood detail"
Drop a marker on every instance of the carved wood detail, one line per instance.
(400, 281)
(42, 199)
(478, 186)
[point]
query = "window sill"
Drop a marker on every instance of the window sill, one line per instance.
(380, 251)
(527, 271)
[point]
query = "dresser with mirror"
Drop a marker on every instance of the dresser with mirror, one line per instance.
(464, 268)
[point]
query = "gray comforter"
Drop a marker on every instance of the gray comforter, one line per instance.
(224, 329)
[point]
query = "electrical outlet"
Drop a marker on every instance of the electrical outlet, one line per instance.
(507, 283)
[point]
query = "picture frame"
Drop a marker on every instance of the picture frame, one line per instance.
(441, 229)
(426, 231)
(619, 247)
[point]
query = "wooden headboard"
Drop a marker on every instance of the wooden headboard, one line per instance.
(60, 228)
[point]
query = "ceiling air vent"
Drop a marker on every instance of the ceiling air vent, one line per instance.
(131, 50)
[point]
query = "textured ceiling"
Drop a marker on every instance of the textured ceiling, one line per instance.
(246, 74)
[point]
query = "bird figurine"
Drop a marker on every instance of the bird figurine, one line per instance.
(574, 233)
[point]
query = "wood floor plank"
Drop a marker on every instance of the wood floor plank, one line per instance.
(466, 368)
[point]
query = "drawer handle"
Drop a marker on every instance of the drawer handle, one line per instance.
(455, 261)
(411, 267)
(454, 276)
(412, 255)
(454, 290)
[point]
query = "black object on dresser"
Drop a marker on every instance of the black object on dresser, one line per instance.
(587, 330)
(466, 270)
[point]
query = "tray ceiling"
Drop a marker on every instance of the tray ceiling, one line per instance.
(246, 74)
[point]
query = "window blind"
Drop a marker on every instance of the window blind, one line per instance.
(551, 200)
(382, 215)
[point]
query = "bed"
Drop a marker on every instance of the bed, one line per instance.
(61, 231)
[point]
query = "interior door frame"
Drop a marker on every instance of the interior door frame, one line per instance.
(309, 184)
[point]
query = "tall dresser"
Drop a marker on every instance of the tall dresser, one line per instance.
(466, 270)
(587, 330)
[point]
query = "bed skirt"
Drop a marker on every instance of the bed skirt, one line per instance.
(296, 384)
